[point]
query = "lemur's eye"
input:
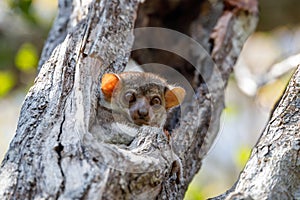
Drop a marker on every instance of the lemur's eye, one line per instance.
(129, 97)
(155, 101)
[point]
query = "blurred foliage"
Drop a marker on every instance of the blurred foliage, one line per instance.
(267, 94)
(193, 193)
(24, 25)
(7, 82)
(242, 156)
(278, 13)
(6, 53)
(24, 7)
(231, 110)
(26, 59)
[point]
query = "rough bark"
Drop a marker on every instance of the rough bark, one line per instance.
(47, 158)
(273, 170)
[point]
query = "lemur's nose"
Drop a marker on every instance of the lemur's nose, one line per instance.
(143, 112)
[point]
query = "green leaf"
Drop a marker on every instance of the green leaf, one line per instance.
(26, 58)
(7, 81)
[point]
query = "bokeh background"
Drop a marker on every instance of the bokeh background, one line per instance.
(250, 96)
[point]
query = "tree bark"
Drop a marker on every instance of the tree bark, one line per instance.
(273, 170)
(48, 159)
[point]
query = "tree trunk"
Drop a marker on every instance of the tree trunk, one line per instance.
(48, 158)
(273, 170)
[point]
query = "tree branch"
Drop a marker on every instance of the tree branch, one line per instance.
(273, 169)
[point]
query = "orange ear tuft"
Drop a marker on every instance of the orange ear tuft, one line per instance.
(108, 84)
(174, 97)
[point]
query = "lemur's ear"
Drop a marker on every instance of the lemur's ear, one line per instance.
(108, 84)
(174, 97)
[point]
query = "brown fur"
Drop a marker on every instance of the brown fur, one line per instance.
(140, 98)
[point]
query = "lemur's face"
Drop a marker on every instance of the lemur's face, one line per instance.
(142, 98)
(144, 105)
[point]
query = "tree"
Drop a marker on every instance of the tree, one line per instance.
(47, 158)
(272, 172)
